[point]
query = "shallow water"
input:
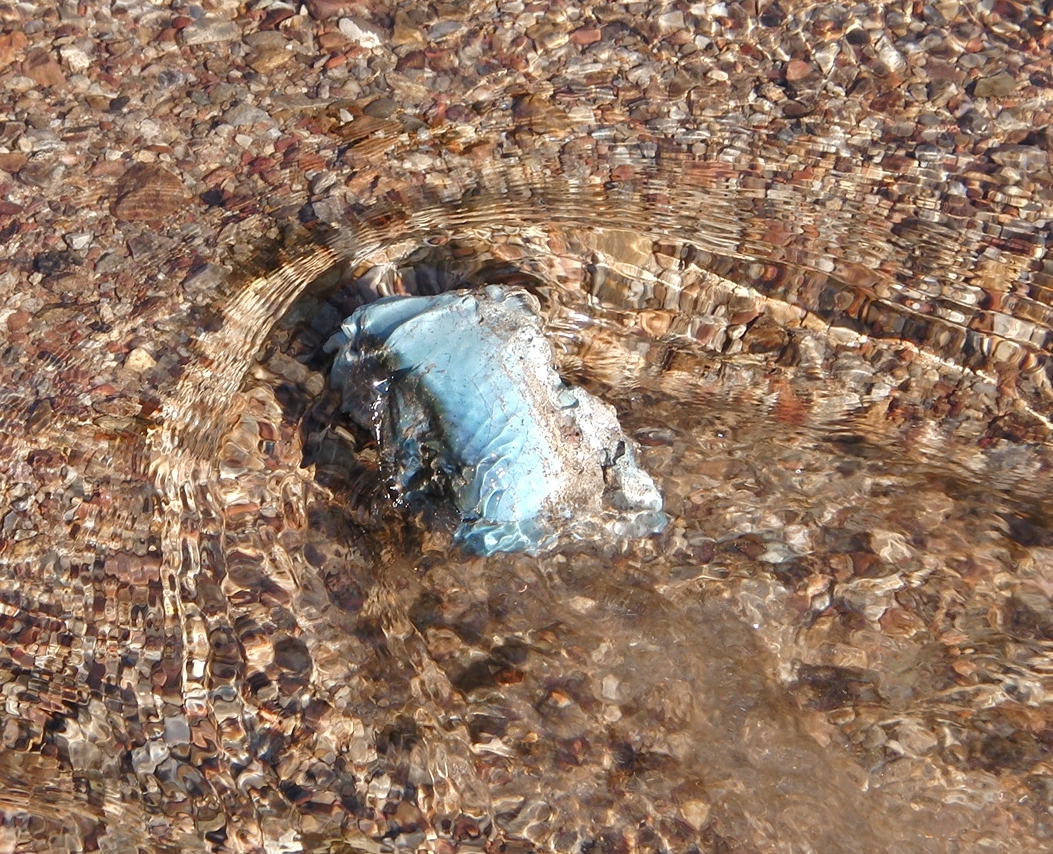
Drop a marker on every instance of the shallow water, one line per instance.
(832, 346)
(842, 627)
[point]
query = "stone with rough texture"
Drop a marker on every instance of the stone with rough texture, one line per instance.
(148, 192)
(463, 394)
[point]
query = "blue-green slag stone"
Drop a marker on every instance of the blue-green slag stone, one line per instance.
(461, 391)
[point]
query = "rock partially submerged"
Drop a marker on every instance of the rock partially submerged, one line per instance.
(466, 404)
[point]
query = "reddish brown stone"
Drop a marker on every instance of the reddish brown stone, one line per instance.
(586, 35)
(798, 69)
(320, 10)
(17, 320)
(148, 192)
(12, 162)
(332, 41)
(11, 44)
(275, 18)
(40, 67)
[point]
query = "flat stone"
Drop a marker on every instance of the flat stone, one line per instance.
(206, 278)
(996, 86)
(586, 35)
(241, 115)
(361, 33)
(798, 69)
(148, 191)
(209, 31)
(443, 29)
(40, 67)
(266, 59)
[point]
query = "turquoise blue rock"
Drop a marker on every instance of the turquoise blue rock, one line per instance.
(462, 394)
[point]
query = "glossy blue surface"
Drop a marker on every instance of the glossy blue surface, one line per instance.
(461, 391)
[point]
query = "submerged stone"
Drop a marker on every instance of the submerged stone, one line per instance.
(463, 396)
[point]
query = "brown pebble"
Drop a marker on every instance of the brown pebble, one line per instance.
(998, 85)
(148, 192)
(40, 67)
(405, 32)
(320, 10)
(11, 44)
(13, 161)
(586, 35)
(332, 41)
(17, 320)
(798, 69)
(267, 59)
(481, 152)
(538, 113)
(275, 18)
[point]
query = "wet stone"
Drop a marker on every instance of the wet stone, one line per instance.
(996, 86)
(241, 115)
(40, 66)
(148, 192)
(478, 413)
(60, 261)
(209, 30)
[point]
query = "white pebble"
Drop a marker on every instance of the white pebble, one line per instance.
(361, 33)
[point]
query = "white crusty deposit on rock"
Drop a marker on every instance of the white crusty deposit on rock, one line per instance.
(462, 393)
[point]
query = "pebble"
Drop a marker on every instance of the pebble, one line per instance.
(11, 46)
(148, 192)
(406, 32)
(362, 33)
(798, 69)
(891, 58)
(322, 10)
(443, 29)
(78, 240)
(209, 30)
(586, 35)
(996, 86)
(241, 115)
(12, 161)
(205, 279)
(139, 360)
(75, 58)
(381, 108)
(266, 59)
(40, 67)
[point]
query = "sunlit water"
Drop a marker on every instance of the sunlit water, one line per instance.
(840, 642)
